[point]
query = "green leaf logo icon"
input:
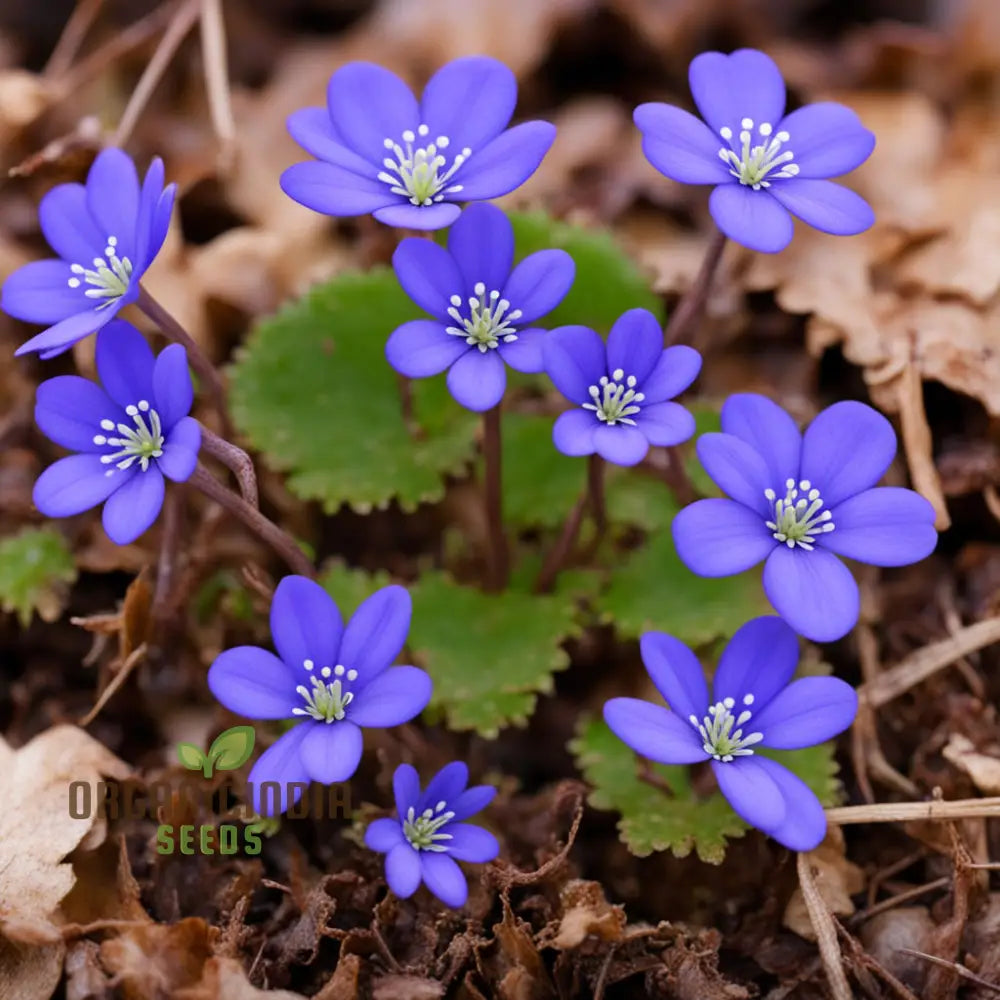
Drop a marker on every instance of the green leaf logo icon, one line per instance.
(190, 756)
(232, 748)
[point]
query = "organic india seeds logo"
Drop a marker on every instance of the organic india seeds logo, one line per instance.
(229, 750)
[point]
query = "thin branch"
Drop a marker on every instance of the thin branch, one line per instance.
(825, 927)
(905, 812)
(236, 460)
(689, 309)
(281, 542)
(79, 23)
(213, 48)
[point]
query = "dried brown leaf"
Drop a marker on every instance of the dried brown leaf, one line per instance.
(224, 979)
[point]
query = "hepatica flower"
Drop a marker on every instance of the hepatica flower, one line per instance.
(409, 163)
(483, 310)
(752, 706)
(798, 501)
(428, 836)
(622, 390)
(106, 233)
(333, 679)
(129, 432)
(767, 166)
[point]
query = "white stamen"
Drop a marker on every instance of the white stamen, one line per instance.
(141, 443)
(419, 174)
(488, 321)
(615, 400)
(798, 519)
(755, 165)
(722, 732)
(109, 278)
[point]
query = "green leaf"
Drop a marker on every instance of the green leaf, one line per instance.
(652, 820)
(607, 281)
(490, 655)
(313, 392)
(349, 587)
(655, 590)
(232, 748)
(191, 756)
(36, 566)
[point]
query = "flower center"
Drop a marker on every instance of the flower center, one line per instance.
(716, 728)
(488, 321)
(109, 279)
(755, 162)
(422, 831)
(615, 399)
(417, 171)
(140, 443)
(327, 701)
(797, 519)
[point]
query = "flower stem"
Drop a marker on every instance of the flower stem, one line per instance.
(595, 493)
(199, 361)
(692, 302)
(676, 477)
(282, 543)
(173, 510)
(236, 460)
(497, 553)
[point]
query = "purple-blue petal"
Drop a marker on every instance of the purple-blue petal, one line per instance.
(575, 360)
(680, 146)
(676, 673)
(887, 526)
(804, 823)
(444, 878)
(75, 484)
(280, 764)
(334, 190)
(769, 430)
(738, 470)
(331, 751)
(665, 424)
(525, 353)
(312, 129)
(478, 380)
(305, 624)
(39, 293)
(429, 275)
(134, 506)
(809, 711)
(446, 786)
(125, 363)
(505, 163)
(469, 100)
(376, 633)
(403, 215)
(383, 835)
(744, 84)
(150, 227)
(422, 347)
(751, 218)
(471, 801)
(621, 444)
(751, 791)
(113, 198)
(654, 732)
(69, 410)
(68, 226)
(827, 139)
(481, 246)
(180, 450)
(676, 369)
(471, 843)
(573, 432)
(813, 591)
(392, 698)
(406, 788)
(824, 205)
(254, 683)
(539, 283)
(369, 104)
(402, 870)
(159, 226)
(64, 334)
(720, 537)
(173, 393)
(760, 659)
(846, 450)
(635, 344)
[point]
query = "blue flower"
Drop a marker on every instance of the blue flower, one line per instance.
(752, 706)
(798, 502)
(621, 390)
(378, 150)
(129, 434)
(482, 309)
(335, 679)
(765, 164)
(106, 233)
(428, 836)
